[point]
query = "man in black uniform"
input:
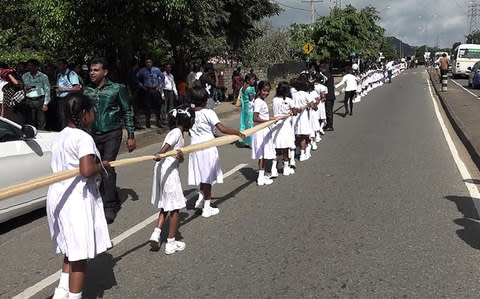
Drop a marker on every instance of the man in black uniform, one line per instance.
(324, 68)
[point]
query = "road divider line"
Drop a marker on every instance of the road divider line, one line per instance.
(31, 291)
(465, 88)
(466, 176)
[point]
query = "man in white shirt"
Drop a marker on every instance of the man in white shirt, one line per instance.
(390, 68)
(350, 82)
(67, 82)
(170, 93)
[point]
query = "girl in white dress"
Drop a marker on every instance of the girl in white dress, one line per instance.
(303, 128)
(76, 219)
(283, 135)
(204, 166)
(167, 192)
(262, 141)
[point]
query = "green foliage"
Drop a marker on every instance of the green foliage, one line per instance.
(343, 32)
(473, 38)
(272, 47)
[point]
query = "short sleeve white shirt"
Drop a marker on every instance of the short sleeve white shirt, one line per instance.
(70, 145)
(282, 106)
(205, 122)
(260, 107)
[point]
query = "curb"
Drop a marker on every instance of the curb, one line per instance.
(456, 124)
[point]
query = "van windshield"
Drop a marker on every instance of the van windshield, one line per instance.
(469, 53)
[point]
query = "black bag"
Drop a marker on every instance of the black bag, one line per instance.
(12, 95)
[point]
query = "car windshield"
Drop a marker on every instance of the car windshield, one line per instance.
(469, 53)
(8, 133)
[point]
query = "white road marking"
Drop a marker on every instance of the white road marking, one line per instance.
(466, 176)
(464, 88)
(31, 291)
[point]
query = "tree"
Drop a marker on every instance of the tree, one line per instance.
(181, 30)
(345, 31)
(274, 46)
(473, 37)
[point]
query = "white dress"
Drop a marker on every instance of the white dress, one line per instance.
(303, 126)
(314, 115)
(283, 135)
(167, 192)
(74, 206)
(321, 89)
(204, 166)
(262, 141)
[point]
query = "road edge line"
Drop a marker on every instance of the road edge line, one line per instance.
(42, 284)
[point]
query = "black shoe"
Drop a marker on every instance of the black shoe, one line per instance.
(351, 113)
(110, 215)
(328, 129)
(139, 127)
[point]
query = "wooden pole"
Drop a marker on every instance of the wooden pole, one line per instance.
(28, 186)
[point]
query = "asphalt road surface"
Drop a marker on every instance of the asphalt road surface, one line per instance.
(380, 210)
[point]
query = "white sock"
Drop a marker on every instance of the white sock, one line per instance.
(64, 281)
(285, 164)
(274, 164)
(261, 174)
(170, 240)
(207, 204)
(291, 154)
(302, 152)
(74, 295)
(157, 229)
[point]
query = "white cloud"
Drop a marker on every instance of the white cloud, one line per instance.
(416, 22)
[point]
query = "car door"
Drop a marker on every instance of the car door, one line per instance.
(22, 160)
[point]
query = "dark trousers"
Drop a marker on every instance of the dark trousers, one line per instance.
(60, 106)
(348, 101)
(108, 145)
(329, 113)
(389, 76)
(34, 113)
(152, 101)
(169, 100)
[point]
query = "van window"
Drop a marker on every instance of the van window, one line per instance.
(469, 53)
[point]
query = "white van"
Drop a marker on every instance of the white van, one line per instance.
(463, 57)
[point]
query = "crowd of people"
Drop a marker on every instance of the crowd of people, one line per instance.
(93, 111)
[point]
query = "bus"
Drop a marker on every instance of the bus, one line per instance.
(464, 57)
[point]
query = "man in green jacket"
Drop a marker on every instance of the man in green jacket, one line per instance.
(112, 110)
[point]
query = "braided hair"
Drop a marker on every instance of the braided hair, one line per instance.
(76, 103)
(181, 116)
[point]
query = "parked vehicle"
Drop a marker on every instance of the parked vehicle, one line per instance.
(474, 75)
(25, 154)
(463, 57)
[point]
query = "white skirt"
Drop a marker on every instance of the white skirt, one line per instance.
(76, 219)
(204, 167)
(303, 126)
(321, 111)
(283, 135)
(167, 192)
(262, 145)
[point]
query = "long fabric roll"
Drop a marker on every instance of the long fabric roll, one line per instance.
(28, 186)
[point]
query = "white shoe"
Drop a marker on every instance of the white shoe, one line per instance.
(321, 132)
(200, 201)
(314, 146)
(155, 240)
(288, 171)
(274, 173)
(293, 163)
(303, 157)
(172, 247)
(60, 293)
(209, 211)
(264, 181)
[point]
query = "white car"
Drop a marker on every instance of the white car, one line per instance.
(24, 155)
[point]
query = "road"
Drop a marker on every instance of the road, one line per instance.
(463, 82)
(380, 210)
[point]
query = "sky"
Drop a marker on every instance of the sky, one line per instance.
(416, 22)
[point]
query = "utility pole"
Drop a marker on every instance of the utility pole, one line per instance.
(474, 13)
(312, 8)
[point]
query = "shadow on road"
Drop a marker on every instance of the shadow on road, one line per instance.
(100, 275)
(22, 220)
(470, 233)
